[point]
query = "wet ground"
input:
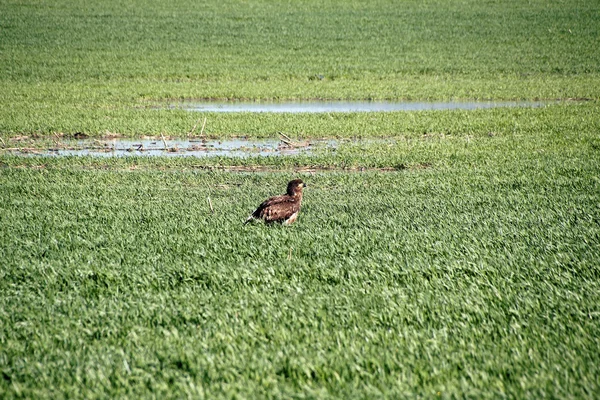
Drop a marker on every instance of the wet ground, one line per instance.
(80, 145)
(345, 106)
(119, 147)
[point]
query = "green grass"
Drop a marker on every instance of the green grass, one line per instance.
(70, 66)
(471, 272)
(461, 262)
(183, 39)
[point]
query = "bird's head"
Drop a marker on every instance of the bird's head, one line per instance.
(295, 187)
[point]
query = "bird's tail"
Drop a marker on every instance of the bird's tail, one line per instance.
(250, 218)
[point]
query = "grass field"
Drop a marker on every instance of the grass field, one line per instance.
(458, 258)
(472, 270)
(71, 66)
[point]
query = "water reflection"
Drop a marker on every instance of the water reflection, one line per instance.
(119, 147)
(346, 106)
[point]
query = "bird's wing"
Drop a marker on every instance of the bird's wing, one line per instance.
(277, 208)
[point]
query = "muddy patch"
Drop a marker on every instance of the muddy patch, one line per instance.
(167, 147)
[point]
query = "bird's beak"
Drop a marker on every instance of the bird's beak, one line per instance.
(304, 185)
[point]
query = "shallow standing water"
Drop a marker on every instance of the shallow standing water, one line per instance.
(241, 147)
(345, 106)
(119, 147)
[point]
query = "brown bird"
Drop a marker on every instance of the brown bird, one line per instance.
(282, 208)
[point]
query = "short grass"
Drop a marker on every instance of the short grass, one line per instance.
(458, 258)
(69, 66)
(470, 272)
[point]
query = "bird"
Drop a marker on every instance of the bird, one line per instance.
(284, 208)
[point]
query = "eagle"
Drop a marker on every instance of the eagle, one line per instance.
(284, 208)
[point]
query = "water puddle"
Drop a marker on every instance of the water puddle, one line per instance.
(120, 147)
(80, 145)
(345, 106)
